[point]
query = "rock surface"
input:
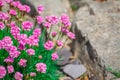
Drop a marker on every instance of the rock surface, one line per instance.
(65, 55)
(75, 71)
(53, 7)
(101, 23)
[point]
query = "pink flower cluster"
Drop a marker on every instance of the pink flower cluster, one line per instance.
(41, 67)
(2, 26)
(1, 3)
(27, 25)
(22, 62)
(52, 19)
(4, 16)
(54, 34)
(55, 56)
(18, 76)
(2, 71)
(12, 12)
(65, 20)
(10, 69)
(39, 19)
(71, 35)
(49, 45)
(59, 43)
(15, 30)
(30, 52)
(40, 9)
(17, 4)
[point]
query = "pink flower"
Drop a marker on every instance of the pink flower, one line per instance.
(49, 45)
(54, 34)
(15, 3)
(12, 12)
(9, 60)
(40, 9)
(14, 54)
(59, 43)
(2, 71)
(21, 7)
(37, 32)
(18, 76)
(32, 74)
(11, 48)
(65, 20)
(30, 52)
(47, 24)
(6, 42)
(22, 62)
(33, 40)
(22, 39)
(41, 67)
(1, 3)
(55, 56)
(71, 35)
(27, 25)
(27, 8)
(10, 69)
(2, 26)
(8, 1)
(64, 30)
(15, 31)
(52, 19)
(4, 16)
(21, 47)
(39, 19)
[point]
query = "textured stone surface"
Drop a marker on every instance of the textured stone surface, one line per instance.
(74, 71)
(64, 54)
(101, 22)
(54, 7)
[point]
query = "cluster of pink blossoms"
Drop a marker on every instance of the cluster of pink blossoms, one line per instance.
(41, 67)
(55, 56)
(26, 42)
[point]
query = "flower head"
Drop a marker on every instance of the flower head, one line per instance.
(54, 34)
(9, 60)
(71, 35)
(10, 69)
(41, 67)
(40, 9)
(39, 19)
(59, 43)
(37, 32)
(2, 71)
(12, 12)
(49, 45)
(32, 74)
(27, 8)
(55, 56)
(18, 76)
(2, 26)
(47, 24)
(33, 40)
(30, 52)
(27, 25)
(1, 3)
(65, 20)
(22, 62)
(52, 19)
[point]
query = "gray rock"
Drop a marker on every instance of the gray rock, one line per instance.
(101, 22)
(64, 54)
(75, 71)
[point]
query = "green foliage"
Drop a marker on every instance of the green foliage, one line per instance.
(116, 73)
